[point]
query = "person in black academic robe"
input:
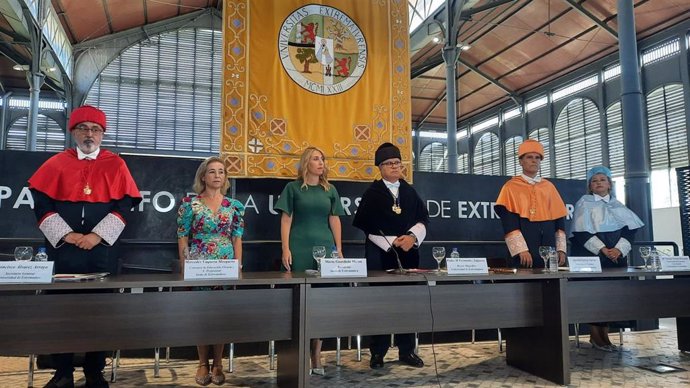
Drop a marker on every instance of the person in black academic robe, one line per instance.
(394, 219)
(81, 199)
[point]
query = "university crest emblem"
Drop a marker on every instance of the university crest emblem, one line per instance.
(322, 49)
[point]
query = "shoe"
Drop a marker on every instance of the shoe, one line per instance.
(217, 377)
(412, 359)
(376, 361)
(60, 382)
(604, 348)
(205, 379)
(613, 348)
(96, 380)
(318, 371)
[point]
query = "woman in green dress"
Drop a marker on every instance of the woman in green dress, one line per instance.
(311, 211)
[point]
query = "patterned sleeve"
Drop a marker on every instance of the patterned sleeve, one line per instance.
(286, 199)
(237, 225)
(184, 218)
(336, 204)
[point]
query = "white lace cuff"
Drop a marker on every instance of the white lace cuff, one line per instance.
(516, 243)
(594, 245)
(54, 228)
(385, 243)
(561, 245)
(110, 228)
(624, 246)
(419, 231)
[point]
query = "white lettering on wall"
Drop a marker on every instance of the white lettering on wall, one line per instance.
(24, 198)
(157, 205)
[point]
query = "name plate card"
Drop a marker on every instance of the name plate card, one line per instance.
(467, 266)
(584, 264)
(675, 263)
(26, 271)
(211, 269)
(338, 268)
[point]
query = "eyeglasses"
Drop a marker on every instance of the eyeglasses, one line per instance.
(396, 163)
(86, 129)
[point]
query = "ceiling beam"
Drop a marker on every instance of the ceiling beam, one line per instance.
(590, 16)
(487, 77)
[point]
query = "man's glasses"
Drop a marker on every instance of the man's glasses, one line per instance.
(85, 129)
(396, 163)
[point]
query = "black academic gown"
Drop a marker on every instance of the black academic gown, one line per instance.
(375, 216)
(610, 239)
(82, 217)
(536, 234)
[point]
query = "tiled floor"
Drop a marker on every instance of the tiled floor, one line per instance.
(458, 365)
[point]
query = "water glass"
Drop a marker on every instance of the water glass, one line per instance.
(23, 253)
(318, 252)
(439, 254)
(544, 253)
(645, 253)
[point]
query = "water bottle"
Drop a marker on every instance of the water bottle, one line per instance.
(455, 254)
(553, 261)
(334, 252)
(654, 264)
(42, 255)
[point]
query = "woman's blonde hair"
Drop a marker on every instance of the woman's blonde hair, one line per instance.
(199, 185)
(303, 168)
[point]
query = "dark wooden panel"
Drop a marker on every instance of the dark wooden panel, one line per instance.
(103, 321)
(366, 310)
(543, 350)
(486, 306)
(612, 300)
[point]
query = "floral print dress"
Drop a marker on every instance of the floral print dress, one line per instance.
(210, 234)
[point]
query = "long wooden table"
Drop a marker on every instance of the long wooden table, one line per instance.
(533, 308)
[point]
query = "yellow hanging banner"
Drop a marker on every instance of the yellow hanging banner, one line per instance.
(331, 74)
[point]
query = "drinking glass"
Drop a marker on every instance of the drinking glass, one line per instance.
(645, 253)
(23, 253)
(318, 252)
(439, 254)
(544, 253)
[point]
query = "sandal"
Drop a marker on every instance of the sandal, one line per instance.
(205, 379)
(217, 377)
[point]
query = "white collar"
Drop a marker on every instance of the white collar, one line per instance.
(531, 181)
(395, 184)
(605, 198)
(81, 155)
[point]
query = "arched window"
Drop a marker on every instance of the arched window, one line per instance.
(614, 123)
(577, 136)
(163, 94)
(668, 142)
(433, 158)
(486, 155)
(542, 135)
(49, 135)
(511, 154)
(463, 167)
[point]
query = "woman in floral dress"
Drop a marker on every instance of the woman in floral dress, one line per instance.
(210, 226)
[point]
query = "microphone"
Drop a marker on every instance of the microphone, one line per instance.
(400, 269)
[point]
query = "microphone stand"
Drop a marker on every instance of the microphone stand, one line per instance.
(400, 270)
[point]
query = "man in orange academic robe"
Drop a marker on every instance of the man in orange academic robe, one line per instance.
(531, 210)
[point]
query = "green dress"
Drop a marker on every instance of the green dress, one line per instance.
(310, 208)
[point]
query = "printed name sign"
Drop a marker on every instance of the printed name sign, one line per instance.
(211, 269)
(334, 268)
(675, 263)
(26, 271)
(584, 264)
(467, 266)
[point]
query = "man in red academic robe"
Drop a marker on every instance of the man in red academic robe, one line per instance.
(81, 199)
(531, 210)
